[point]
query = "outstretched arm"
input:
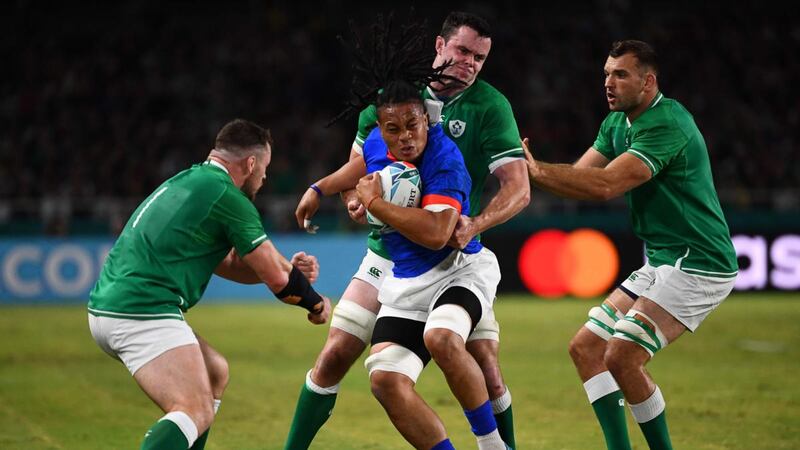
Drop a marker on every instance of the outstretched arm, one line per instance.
(584, 180)
(346, 177)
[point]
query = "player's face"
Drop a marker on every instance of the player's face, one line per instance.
(404, 128)
(255, 181)
(625, 83)
(467, 50)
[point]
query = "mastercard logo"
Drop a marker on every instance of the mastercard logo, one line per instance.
(554, 263)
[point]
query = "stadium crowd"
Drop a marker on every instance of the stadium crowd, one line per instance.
(99, 103)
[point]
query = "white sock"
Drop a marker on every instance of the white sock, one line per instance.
(313, 387)
(502, 403)
(217, 402)
(184, 423)
(600, 385)
(650, 408)
(491, 441)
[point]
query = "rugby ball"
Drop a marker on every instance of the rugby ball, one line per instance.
(401, 186)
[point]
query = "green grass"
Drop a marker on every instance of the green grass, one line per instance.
(732, 385)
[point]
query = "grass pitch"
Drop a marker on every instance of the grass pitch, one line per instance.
(732, 385)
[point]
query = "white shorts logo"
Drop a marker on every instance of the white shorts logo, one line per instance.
(457, 127)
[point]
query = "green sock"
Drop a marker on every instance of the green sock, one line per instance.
(200, 443)
(164, 435)
(610, 412)
(505, 426)
(656, 433)
(311, 413)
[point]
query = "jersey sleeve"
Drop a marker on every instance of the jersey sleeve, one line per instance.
(499, 137)
(657, 146)
(240, 221)
(448, 187)
(603, 142)
(367, 120)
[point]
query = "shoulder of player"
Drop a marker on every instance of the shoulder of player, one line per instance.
(485, 94)
(668, 114)
(441, 148)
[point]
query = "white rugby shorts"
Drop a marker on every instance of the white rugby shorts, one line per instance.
(137, 342)
(414, 298)
(374, 269)
(686, 297)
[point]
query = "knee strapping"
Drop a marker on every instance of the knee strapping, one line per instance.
(398, 359)
(354, 319)
(646, 334)
(602, 320)
(450, 317)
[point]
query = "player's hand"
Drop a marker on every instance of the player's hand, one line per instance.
(307, 264)
(464, 231)
(322, 316)
(357, 211)
(369, 188)
(533, 165)
(308, 206)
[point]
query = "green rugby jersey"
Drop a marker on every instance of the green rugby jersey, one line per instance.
(676, 213)
(481, 123)
(168, 250)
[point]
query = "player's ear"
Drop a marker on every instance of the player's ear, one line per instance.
(251, 164)
(439, 44)
(650, 80)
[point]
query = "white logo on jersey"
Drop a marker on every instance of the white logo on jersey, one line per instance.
(457, 128)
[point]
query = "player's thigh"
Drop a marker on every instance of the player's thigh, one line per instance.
(177, 378)
(367, 281)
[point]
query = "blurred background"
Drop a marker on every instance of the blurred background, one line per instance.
(102, 101)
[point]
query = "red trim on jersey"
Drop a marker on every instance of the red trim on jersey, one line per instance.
(390, 156)
(435, 199)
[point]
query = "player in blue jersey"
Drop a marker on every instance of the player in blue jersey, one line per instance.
(436, 294)
(465, 41)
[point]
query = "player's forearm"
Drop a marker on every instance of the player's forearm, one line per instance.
(344, 179)
(234, 269)
(423, 227)
(564, 180)
(513, 196)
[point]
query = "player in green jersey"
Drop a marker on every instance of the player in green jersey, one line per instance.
(199, 222)
(650, 149)
(480, 121)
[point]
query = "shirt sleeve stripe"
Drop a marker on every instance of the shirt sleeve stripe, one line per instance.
(435, 199)
(263, 237)
(644, 158)
(517, 150)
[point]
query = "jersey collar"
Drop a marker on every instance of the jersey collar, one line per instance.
(451, 100)
(212, 162)
(656, 100)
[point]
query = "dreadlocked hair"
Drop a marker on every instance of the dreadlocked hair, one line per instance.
(390, 69)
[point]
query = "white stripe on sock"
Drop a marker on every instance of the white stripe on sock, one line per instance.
(491, 441)
(501, 403)
(184, 423)
(650, 408)
(600, 385)
(319, 389)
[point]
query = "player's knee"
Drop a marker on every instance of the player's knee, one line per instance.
(617, 362)
(443, 344)
(337, 358)
(580, 350)
(218, 374)
(385, 386)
